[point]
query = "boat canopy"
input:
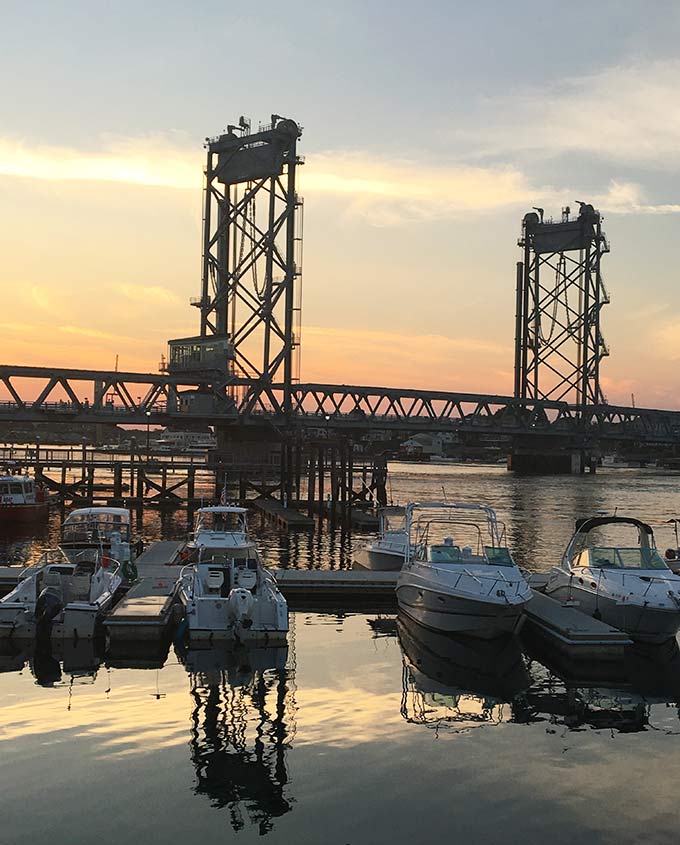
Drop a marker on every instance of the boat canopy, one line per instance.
(96, 514)
(584, 526)
(424, 520)
(222, 509)
(92, 526)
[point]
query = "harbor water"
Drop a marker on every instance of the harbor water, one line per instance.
(364, 729)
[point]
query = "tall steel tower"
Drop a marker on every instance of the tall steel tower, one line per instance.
(252, 252)
(560, 294)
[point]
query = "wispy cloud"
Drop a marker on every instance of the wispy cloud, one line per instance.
(625, 113)
(155, 294)
(139, 161)
(95, 334)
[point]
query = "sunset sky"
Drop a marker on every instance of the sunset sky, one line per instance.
(429, 129)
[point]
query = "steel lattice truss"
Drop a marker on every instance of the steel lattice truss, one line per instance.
(560, 293)
(35, 394)
(252, 250)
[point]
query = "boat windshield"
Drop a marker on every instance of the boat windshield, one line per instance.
(223, 557)
(94, 528)
(499, 555)
(446, 553)
(617, 558)
(221, 522)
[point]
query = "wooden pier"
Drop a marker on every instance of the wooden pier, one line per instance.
(147, 612)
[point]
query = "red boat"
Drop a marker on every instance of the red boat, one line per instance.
(21, 500)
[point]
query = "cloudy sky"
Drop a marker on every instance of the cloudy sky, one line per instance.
(429, 129)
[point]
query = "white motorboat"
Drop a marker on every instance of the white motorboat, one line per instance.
(629, 587)
(100, 529)
(474, 589)
(225, 588)
(388, 552)
(61, 597)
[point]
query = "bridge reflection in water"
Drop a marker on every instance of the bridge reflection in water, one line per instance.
(242, 721)
(457, 684)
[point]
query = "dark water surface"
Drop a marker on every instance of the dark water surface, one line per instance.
(363, 730)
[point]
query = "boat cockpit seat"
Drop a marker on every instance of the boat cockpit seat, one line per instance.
(215, 581)
(84, 566)
(80, 587)
(51, 579)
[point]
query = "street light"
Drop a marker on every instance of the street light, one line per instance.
(148, 414)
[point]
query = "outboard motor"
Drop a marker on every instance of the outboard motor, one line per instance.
(48, 606)
(240, 606)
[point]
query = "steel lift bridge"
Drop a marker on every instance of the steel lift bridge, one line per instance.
(241, 370)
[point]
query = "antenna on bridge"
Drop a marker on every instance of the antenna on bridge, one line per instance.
(560, 293)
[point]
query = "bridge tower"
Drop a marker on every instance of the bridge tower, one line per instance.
(560, 294)
(252, 259)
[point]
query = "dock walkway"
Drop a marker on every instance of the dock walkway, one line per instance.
(574, 632)
(360, 589)
(146, 610)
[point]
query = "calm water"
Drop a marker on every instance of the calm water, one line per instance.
(363, 730)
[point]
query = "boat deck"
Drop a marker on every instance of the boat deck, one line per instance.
(147, 610)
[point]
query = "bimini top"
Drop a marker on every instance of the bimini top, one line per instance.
(223, 509)
(583, 526)
(122, 514)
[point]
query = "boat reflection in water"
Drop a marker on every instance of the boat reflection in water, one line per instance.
(457, 682)
(640, 692)
(242, 721)
(54, 662)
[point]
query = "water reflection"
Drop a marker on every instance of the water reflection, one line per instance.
(457, 682)
(640, 691)
(241, 723)
(53, 662)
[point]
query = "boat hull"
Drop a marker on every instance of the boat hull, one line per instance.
(644, 624)
(442, 611)
(379, 560)
(209, 619)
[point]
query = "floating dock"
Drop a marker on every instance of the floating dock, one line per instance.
(146, 612)
(572, 632)
(286, 518)
(357, 589)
